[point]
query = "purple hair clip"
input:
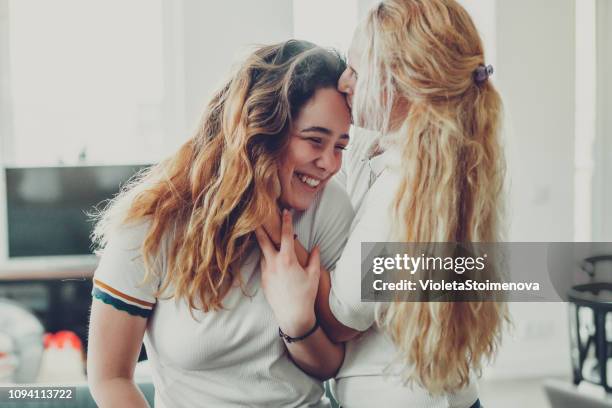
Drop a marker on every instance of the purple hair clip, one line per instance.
(482, 73)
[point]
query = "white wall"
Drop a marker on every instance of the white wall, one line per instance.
(483, 13)
(213, 40)
(326, 23)
(535, 43)
(535, 74)
(586, 91)
(6, 122)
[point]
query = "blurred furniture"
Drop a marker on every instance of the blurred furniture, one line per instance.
(591, 326)
(63, 360)
(59, 303)
(564, 395)
(22, 346)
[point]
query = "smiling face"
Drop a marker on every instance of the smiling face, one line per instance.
(314, 153)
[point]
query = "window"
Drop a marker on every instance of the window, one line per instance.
(86, 82)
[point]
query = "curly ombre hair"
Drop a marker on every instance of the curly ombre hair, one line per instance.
(419, 57)
(212, 194)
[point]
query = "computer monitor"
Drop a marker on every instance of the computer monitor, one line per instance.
(47, 207)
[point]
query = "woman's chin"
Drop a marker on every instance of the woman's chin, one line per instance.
(301, 206)
(296, 205)
(301, 196)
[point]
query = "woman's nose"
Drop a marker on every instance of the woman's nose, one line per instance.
(328, 161)
(345, 83)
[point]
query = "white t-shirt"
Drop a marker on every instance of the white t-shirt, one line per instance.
(233, 357)
(360, 381)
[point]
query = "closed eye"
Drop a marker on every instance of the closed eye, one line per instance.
(317, 141)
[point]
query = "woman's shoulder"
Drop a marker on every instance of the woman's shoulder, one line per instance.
(126, 242)
(128, 235)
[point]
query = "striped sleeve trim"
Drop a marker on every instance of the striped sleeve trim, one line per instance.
(121, 301)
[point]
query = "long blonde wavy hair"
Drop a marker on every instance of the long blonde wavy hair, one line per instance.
(419, 58)
(220, 185)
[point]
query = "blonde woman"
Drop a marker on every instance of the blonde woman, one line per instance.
(417, 73)
(180, 263)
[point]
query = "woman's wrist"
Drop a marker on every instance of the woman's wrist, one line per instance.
(295, 339)
(298, 327)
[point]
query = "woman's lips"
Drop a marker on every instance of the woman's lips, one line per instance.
(309, 182)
